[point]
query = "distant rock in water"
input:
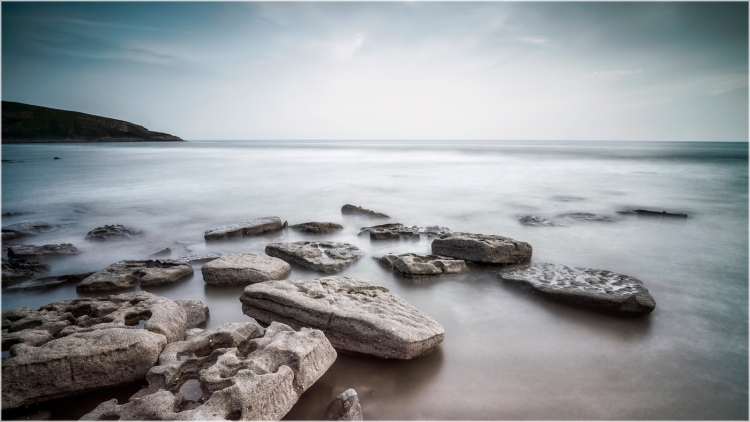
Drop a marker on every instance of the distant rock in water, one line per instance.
(21, 269)
(396, 231)
(28, 123)
(317, 227)
(483, 248)
(48, 282)
(246, 228)
(657, 214)
(23, 251)
(585, 216)
(355, 210)
(19, 230)
(113, 232)
(345, 407)
(531, 220)
(412, 265)
(200, 258)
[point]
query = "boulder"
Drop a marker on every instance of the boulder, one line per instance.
(532, 220)
(18, 230)
(113, 232)
(22, 251)
(232, 372)
(585, 287)
(398, 231)
(199, 258)
(196, 311)
(588, 217)
(345, 407)
(317, 227)
(244, 268)
(21, 269)
(48, 282)
(126, 274)
(246, 228)
(657, 214)
(355, 210)
(412, 265)
(357, 315)
(72, 346)
(329, 257)
(488, 249)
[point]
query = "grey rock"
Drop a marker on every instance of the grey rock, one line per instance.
(532, 220)
(357, 315)
(317, 227)
(48, 282)
(355, 210)
(78, 345)
(18, 230)
(329, 257)
(244, 268)
(396, 231)
(232, 372)
(23, 251)
(585, 287)
(588, 217)
(196, 311)
(245, 228)
(345, 407)
(126, 274)
(22, 269)
(165, 251)
(657, 214)
(190, 332)
(412, 265)
(488, 249)
(113, 232)
(200, 257)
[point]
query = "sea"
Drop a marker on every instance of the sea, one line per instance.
(507, 353)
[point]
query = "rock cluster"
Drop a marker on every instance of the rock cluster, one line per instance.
(483, 248)
(113, 232)
(355, 210)
(246, 228)
(21, 269)
(232, 372)
(345, 407)
(22, 251)
(126, 274)
(355, 314)
(317, 227)
(412, 265)
(397, 231)
(244, 268)
(329, 257)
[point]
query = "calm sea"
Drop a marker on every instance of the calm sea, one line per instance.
(507, 354)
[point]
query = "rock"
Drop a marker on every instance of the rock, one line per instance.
(78, 345)
(232, 372)
(245, 228)
(244, 268)
(354, 210)
(21, 251)
(126, 274)
(531, 220)
(196, 311)
(646, 213)
(398, 231)
(317, 227)
(21, 269)
(18, 230)
(165, 251)
(190, 332)
(488, 249)
(357, 315)
(113, 232)
(345, 407)
(48, 282)
(329, 257)
(584, 216)
(12, 214)
(200, 258)
(414, 266)
(598, 289)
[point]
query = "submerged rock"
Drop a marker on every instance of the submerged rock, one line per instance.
(657, 214)
(329, 257)
(77, 345)
(113, 232)
(165, 251)
(21, 269)
(585, 216)
(413, 265)
(196, 311)
(355, 314)
(345, 407)
(48, 282)
(532, 220)
(246, 228)
(355, 210)
(19, 251)
(399, 231)
(598, 289)
(232, 372)
(244, 268)
(199, 258)
(126, 274)
(18, 230)
(317, 227)
(484, 248)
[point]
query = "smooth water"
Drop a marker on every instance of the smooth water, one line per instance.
(507, 354)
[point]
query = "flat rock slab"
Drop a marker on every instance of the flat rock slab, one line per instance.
(196, 311)
(598, 289)
(199, 258)
(396, 231)
(345, 407)
(246, 228)
(77, 345)
(412, 265)
(657, 214)
(355, 210)
(232, 372)
(356, 315)
(317, 227)
(244, 268)
(588, 217)
(21, 269)
(126, 274)
(48, 282)
(18, 230)
(483, 248)
(113, 232)
(24, 251)
(329, 257)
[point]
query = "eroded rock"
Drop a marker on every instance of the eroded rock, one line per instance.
(25, 251)
(113, 232)
(345, 407)
(22, 269)
(244, 268)
(355, 210)
(484, 248)
(317, 227)
(329, 257)
(415, 266)
(246, 228)
(396, 231)
(356, 315)
(126, 274)
(196, 311)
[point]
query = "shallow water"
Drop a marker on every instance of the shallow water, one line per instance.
(508, 354)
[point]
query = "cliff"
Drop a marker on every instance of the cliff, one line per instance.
(24, 123)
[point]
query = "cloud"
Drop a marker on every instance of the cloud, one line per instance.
(615, 73)
(345, 49)
(535, 40)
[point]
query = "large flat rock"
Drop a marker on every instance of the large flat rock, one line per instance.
(356, 315)
(598, 289)
(413, 265)
(232, 372)
(244, 268)
(488, 249)
(328, 257)
(77, 345)
(246, 228)
(125, 274)
(25, 251)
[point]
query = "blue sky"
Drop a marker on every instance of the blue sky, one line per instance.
(395, 70)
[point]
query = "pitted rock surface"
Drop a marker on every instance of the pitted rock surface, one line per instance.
(398, 231)
(22, 269)
(232, 372)
(126, 274)
(588, 217)
(23, 251)
(345, 407)
(48, 282)
(329, 257)
(113, 232)
(246, 228)
(484, 248)
(415, 266)
(77, 345)
(196, 311)
(599, 289)
(356, 315)
(317, 227)
(356, 210)
(244, 268)
(18, 230)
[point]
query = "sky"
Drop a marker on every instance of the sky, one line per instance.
(665, 71)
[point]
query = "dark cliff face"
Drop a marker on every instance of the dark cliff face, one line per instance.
(28, 123)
